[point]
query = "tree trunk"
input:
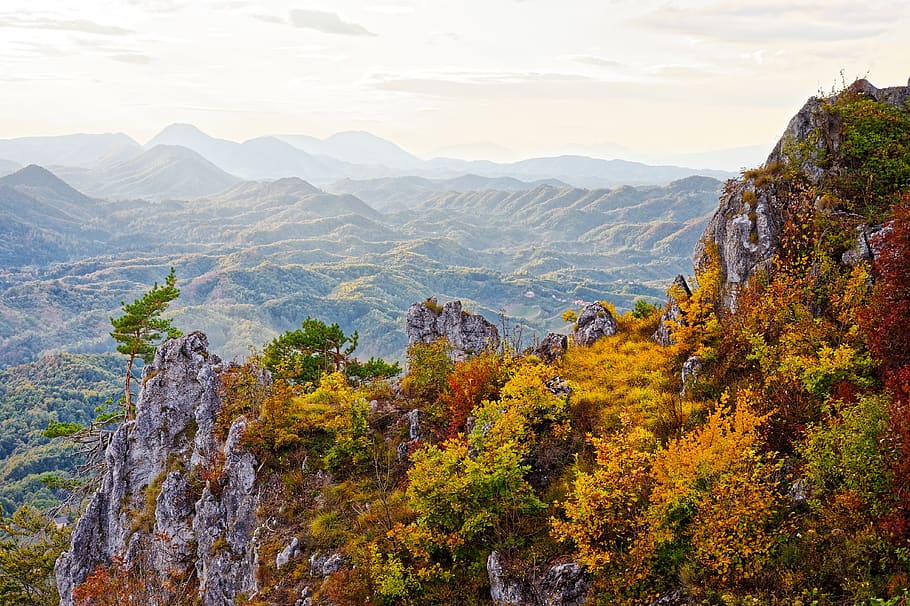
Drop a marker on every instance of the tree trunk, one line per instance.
(127, 394)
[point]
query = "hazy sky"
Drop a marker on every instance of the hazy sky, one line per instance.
(533, 76)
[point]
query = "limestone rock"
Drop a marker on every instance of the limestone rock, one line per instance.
(552, 347)
(745, 231)
(594, 322)
(691, 368)
(226, 514)
(672, 313)
(285, 555)
(322, 565)
(504, 590)
(869, 242)
(413, 424)
(673, 598)
(171, 535)
(564, 584)
(558, 386)
(467, 334)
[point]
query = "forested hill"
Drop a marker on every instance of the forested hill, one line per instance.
(257, 258)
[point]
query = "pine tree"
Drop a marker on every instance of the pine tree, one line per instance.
(141, 327)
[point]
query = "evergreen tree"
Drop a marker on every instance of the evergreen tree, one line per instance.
(140, 329)
(317, 348)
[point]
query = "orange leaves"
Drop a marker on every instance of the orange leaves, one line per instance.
(603, 517)
(705, 501)
(470, 383)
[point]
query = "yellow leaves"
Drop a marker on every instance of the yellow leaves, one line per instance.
(707, 498)
(699, 329)
(602, 517)
(624, 373)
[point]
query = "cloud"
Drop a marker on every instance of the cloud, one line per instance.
(68, 25)
(776, 20)
(157, 6)
(134, 58)
(269, 18)
(328, 23)
(598, 61)
(391, 9)
(461, 84)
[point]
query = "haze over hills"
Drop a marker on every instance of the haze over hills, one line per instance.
(356, 147)
(161, 172)
(406, 192)
(256, 258)
(80, 150)
(115, 165)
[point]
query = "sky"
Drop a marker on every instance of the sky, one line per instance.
(657, 80)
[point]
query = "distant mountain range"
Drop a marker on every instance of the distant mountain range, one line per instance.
(256, 258)
(115, 166)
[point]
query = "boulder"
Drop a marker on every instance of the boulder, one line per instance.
(466, 333)
(562, 584)
(594, 322)
(691, 368)
(552, 347)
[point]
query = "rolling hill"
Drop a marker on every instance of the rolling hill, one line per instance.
(257, 257)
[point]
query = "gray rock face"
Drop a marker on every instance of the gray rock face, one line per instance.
(504, 590)
(466, 333)
(558, 585)
(285, 555)
(225, 525)
(552, 346)
(673, 598)
(869, 243)
(690, 371)
(594, 322)
(323, 565)
(145, 512)
(672, 313)
(745, 232)
(747, 226)
(564, 585)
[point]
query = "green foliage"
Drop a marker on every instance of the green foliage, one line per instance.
(29, 546)
(429, 366)
(63, 389)
(56, 429)
(316, 348)
(305, 354)
(876, 149)
(470, 504)
(140, 329)
(845, 453)
(643, 309)
(374, 369)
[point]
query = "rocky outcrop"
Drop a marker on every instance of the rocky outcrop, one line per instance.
(870, 239)
(594, 322)
(691, 368)
(744, 233)
(672, 312)
(148, 513)
(552, 347)
(467, 334)
(564, 584)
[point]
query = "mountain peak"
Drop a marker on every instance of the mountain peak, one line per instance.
(34, 176)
